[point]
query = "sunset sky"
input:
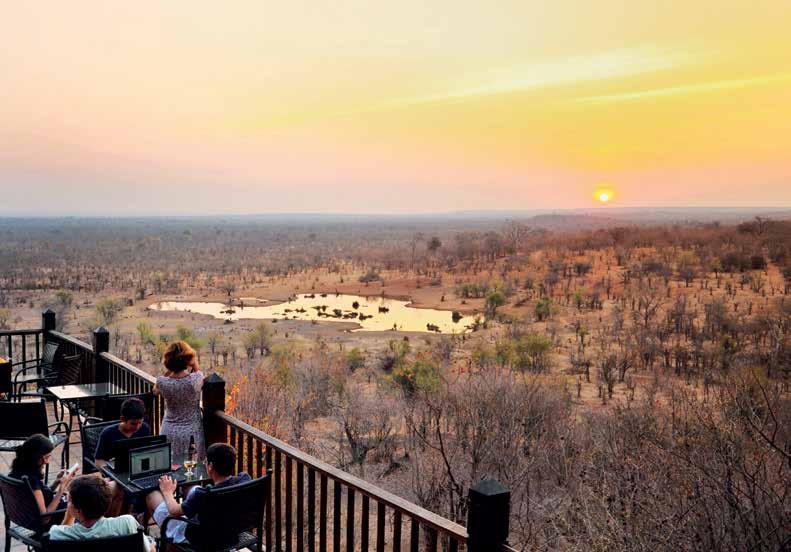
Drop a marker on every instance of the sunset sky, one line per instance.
(188, 107)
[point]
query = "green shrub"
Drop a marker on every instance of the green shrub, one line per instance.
(419, 375)
(355, 359)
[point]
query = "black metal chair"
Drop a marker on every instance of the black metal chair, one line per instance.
(227, 520)
(66, 371)
(106, 409)
(21, 510)
(110, 407)
(44, 367)
(20, 420)
(89, 433)
(129, 543)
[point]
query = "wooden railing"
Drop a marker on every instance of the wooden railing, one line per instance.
(314, 506)
(360, 515)
(21, 345)
(99, 366)
(134, 381)
(73, 346)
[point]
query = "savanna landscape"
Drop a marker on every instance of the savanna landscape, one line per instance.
(458, 276)
(626, 378)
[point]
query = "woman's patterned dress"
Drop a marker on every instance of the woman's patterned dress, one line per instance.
(182, 417)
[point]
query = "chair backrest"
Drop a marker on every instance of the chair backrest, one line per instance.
(50, 355)
(68, 370)
(111, 406)
(50, 352)
(19, 504)
(21, 420)
(128, 543)
(89, 435)
(228, 511)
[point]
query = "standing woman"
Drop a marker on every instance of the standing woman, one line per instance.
(180, 387)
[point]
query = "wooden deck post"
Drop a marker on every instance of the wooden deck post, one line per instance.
(101, 344)
(487, 523)
(213, 400)
(48, 323)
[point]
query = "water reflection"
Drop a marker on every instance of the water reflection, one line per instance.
(372, 313)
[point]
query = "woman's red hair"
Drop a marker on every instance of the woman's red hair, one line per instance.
(178, 356)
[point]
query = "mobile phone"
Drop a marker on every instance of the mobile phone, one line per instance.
(73, 468)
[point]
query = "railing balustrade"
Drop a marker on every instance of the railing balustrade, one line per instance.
(21, 345)
(359, 516)
(73, 346)
(314, 505)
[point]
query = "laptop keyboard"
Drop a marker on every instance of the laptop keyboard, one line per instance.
(152, 481)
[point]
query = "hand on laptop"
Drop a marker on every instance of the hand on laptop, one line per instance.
(167, 485)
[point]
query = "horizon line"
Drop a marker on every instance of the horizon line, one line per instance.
(539, 210)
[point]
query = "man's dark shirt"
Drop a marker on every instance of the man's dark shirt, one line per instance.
(111, 435)
(194, 501)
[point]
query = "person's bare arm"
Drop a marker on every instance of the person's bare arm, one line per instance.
(100, 463)
(167, 487)
(195, 369)
(61, 488)
(68, 519)
(39, 496)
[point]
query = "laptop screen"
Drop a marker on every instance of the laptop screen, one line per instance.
(121, 448)
(149, 461)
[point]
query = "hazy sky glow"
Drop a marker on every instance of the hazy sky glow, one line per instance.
(412, 106)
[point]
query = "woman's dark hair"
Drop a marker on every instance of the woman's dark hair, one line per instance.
(222, 457)
(133, 409)
(178, 356)
(90, 495)
(29, 453)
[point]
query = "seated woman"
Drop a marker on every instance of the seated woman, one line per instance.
(31, 457)
(180, 387)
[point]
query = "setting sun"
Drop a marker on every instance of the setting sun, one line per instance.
(603, 194)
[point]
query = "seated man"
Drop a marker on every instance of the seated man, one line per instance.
(131, 426)
(89, 497)
(220, 462)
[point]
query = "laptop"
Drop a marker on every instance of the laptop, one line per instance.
(121, 449)
(148, 464)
